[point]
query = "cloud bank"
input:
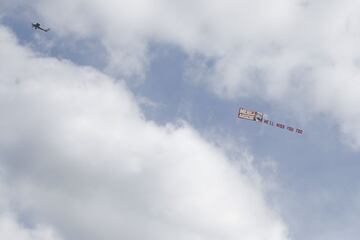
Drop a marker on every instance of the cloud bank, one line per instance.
(298, 54)
(78, 157)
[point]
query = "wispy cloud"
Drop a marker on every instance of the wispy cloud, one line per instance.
(300, 54)
(11, 229)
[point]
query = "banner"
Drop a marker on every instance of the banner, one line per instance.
(259, 117)
(247, 114)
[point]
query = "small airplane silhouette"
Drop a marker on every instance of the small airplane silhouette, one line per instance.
(37, 26)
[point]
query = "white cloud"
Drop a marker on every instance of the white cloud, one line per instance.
(11, 230)
(76, 154)
(299, 54)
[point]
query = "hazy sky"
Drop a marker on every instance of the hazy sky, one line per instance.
(121, 121)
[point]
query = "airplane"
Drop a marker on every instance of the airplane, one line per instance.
(37, 26)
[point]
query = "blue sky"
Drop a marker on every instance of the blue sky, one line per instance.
(185, 73)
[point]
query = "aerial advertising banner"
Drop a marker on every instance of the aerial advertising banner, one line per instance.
(250, 115)
(259, 117)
